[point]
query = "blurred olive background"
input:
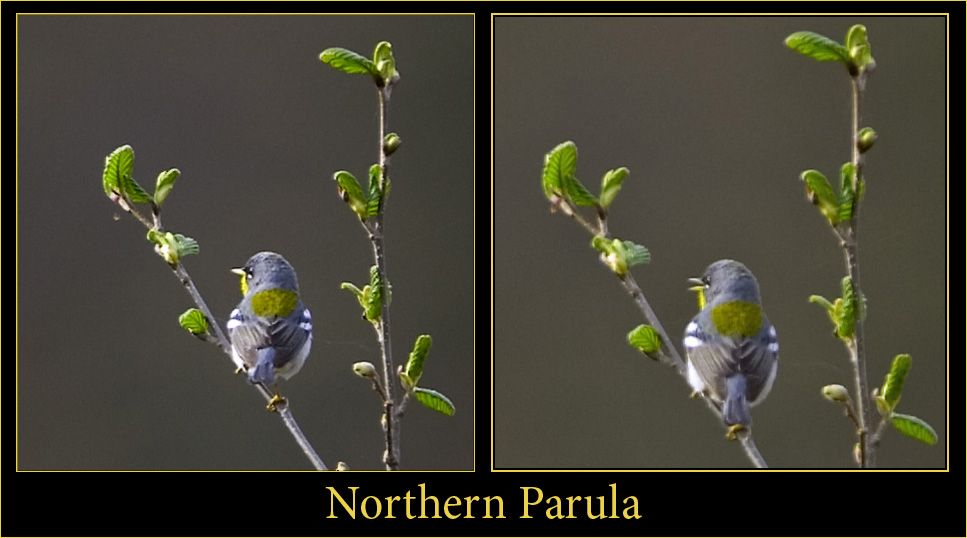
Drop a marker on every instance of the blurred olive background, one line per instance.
(715, 118)
(106, 378)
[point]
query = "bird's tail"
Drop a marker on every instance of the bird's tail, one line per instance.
(736, 408)
(264, 371)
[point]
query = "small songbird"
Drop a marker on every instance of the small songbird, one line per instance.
(270, 330)
(732, 348)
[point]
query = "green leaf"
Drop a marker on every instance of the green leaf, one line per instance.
(414, 366)
(635, 254)
(193, 321)
(356, 291)
(171, 246)
(164, 183)
(882, 407)
(434, 400)
(846, 197)
(859, 48)
(348, 61)
(119, 164)
(893, 384)
(645, 339)
(374, 304)
(601, 244)
(611, 184)
(846, 320)
(817, 47)
(561, 162)
(821, 193)
(185, 245)
(351, 193)
(822, 301)
(385, 63)
(133, 190)
(375, 198)
(578, 193)
(914, 427)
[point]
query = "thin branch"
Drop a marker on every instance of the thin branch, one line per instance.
(670, 355)
(850, 247)
(222, 341)
(751, 451)
(392, 426)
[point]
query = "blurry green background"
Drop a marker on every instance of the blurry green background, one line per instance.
(106, 378)
(715, 118)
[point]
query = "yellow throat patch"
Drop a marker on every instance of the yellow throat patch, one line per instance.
(737, 318)
(275, 302)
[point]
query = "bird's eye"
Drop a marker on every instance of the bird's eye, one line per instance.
(707, 281)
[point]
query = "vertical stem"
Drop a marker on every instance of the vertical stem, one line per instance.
(392, 425)
(857, 352)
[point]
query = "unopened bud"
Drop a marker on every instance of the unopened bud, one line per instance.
(364, 369)
(836, 393)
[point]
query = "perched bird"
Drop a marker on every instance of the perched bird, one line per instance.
(270, 330)
(732, 348)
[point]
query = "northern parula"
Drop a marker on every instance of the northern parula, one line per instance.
(270, 330)
(733, 351)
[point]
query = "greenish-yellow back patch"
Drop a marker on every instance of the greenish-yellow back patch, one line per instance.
(276, 302)
(737, 318)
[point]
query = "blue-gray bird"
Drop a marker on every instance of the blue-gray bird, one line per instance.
(270, 330)
(732, 348)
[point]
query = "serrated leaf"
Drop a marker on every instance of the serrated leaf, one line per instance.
(375, 197)
(846, 320)
(120, 163)
(578, 193)
(434, 400)
(558, 164)
(893, 384)
(184, 245)
(349, 190)
(193, 321)
(859, 47)
(821, 193)
(635, 254)
(645, 339)
(133, 190)
(374, 303)
(611, 185)
(915, 428)
(414, 366)
(348, 61)
(817, 47)
(164, 184)
(846, 198)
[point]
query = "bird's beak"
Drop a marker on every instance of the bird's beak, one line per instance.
(239, 271)
(697, 284)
